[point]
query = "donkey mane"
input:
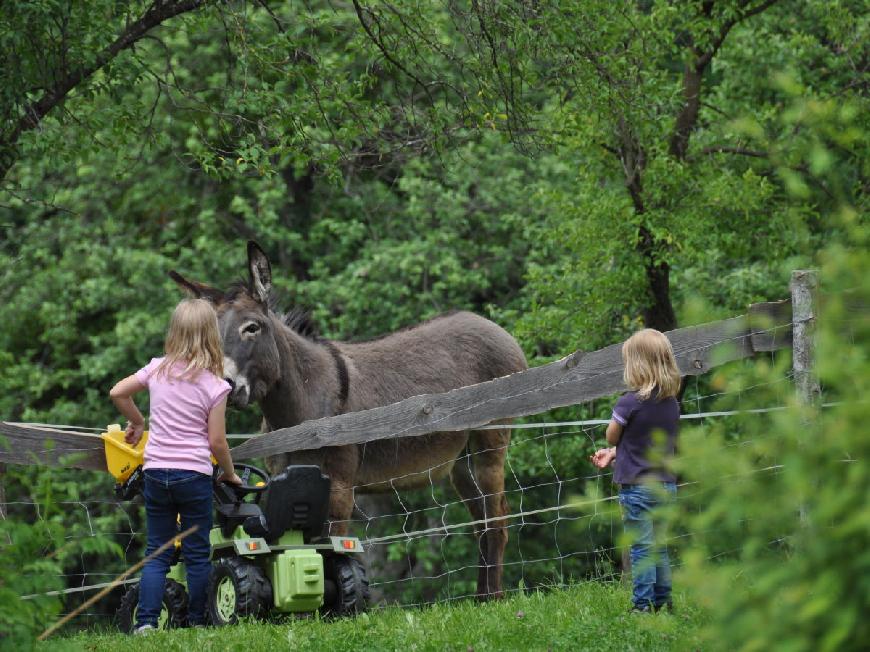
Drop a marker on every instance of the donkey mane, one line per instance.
(297, 319)
(300, 320)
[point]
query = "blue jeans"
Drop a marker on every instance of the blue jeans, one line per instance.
(168, 494)
(650, 565)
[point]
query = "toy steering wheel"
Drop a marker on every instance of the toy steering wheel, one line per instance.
(247, 471)
(244, 471)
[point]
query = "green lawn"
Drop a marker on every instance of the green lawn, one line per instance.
(589, 616)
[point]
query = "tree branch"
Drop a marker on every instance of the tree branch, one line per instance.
(723, 149)
(380, 45)
(35, 111)
(693, 74)
(727, 27)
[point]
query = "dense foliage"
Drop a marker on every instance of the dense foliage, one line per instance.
(572, 170)
(781, 496)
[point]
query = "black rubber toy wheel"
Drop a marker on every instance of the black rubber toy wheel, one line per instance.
(237, 588)
(173, 614)
(351, 583)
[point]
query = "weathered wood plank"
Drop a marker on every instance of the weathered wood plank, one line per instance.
(23, 445)
(770, 325)
(577, 378)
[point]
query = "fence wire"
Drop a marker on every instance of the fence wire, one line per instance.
(421, 545)
(563, 524)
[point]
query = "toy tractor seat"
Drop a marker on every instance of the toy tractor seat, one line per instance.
(297, 499)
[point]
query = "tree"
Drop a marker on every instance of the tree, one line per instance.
(56, 48)
(631, 94)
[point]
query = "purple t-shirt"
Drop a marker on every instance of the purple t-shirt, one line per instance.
(178, 423)
(649, 436)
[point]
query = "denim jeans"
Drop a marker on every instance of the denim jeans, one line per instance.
(168, 494)
(650, 565)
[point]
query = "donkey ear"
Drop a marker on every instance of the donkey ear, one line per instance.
(261, 272)
(198, 290)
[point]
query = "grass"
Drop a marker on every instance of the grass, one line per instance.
(588, 616)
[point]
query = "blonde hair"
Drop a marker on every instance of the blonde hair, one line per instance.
(193, 340)
(650, 364)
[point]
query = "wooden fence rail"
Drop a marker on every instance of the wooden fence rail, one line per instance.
(25, 444)
(577, 378)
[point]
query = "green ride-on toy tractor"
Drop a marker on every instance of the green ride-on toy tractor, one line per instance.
(268, 559)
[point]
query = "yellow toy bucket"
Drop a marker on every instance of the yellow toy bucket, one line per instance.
(122, 458)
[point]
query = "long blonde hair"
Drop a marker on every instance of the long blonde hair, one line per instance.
(193, 340)
(650, 364)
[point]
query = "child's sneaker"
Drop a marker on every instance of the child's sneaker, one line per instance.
(643, 609)
(667, 606)
(144, 630)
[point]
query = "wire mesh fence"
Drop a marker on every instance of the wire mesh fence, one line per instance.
(563, 524)
(421, 545)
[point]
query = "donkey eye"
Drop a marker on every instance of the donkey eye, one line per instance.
(251, 329)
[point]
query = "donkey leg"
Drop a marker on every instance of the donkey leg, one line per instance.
(277, 463)
(490, 451)
(340, 508)
(340, 464)
(462, 478)
(481, 484)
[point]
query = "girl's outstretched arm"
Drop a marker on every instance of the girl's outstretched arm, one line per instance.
(614, 432)
(603, 457)
(121, 395)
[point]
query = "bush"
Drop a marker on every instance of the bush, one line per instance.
(781, 555)
(27, 567)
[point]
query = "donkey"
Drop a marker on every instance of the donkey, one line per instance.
(278, 361)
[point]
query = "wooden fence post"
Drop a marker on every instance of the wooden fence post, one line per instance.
(2, 492)
(804, 285)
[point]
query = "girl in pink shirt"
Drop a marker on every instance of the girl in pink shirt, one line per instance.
(188, 405)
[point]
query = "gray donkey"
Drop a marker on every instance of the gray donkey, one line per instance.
(279, 361)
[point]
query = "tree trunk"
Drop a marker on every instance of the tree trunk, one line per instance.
(659, 312)
(296, 215)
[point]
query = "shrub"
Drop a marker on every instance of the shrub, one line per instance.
(781, 554)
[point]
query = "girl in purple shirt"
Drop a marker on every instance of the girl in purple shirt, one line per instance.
(643, 433)
(188, 398)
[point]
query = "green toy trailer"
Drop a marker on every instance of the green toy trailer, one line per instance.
(265, 560)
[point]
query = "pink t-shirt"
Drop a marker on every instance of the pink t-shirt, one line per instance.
(178, 424)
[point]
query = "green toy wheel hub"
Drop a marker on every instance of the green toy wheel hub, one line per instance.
(162, 619)
(225, 599)
(237, 588)
(173, 610)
